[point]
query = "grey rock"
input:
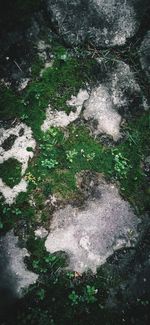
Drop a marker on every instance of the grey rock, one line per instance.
(145, 54)
(14, 275)
(91, 233)
(103, 22)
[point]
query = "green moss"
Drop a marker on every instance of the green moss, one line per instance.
(10, 172)
(136, 148)
(9, 103)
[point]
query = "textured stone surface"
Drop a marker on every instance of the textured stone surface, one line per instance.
(113, 99)
(99, 108)
(102, 22)
(13, 272)
(91, 233)
(145, 54)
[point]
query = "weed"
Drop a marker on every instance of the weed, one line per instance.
(49, 163)
(30, 178)
(41, 294)
(89, 294)
(122, 165)
(74, 297)
(71, 154)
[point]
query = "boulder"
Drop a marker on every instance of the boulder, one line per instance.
(89, 234)
(102, 22)
(145, 54)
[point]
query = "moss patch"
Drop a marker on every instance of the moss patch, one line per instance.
(10, 172)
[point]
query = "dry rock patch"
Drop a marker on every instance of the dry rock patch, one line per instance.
(14, 270)
(103, 22)
(91, 233)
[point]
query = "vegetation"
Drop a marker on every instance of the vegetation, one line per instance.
(10, 172)
(63, 297)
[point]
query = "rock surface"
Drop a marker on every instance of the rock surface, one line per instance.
(113, 99)
(102, 22)
(116, 96)
(99, 108)
(91, 233)
(21, 46)
(14, 275)
(145, 54)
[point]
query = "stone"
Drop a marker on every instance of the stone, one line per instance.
(99, 108)
(23, 139)
(113, 99)
(89, 234)
(145, 54)
(101, 22)
(13, 272)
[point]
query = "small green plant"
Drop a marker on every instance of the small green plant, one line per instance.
(74, 297)
(49, 163)
(89, 294)
(121, 164)
(6, 209)
(41, 294)
(24, 117)
(71, 154)
(17, 211)
(30, 178)
(90, 156)
(1, 225)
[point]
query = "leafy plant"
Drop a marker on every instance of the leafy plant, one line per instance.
(74, 297)
(71, 154)
(89, 294)
(30, 178)
(24, 117)
(121, 164)
(41, 294)
(49, 163)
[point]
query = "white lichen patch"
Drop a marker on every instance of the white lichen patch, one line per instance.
(46, 66)
(91, 233)
(99, 107)
(108, 97)
(77, 101)
(60, 118)
(18, 151)
(16, 272)
(23, 83)
(41, 232)
(9, 193)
